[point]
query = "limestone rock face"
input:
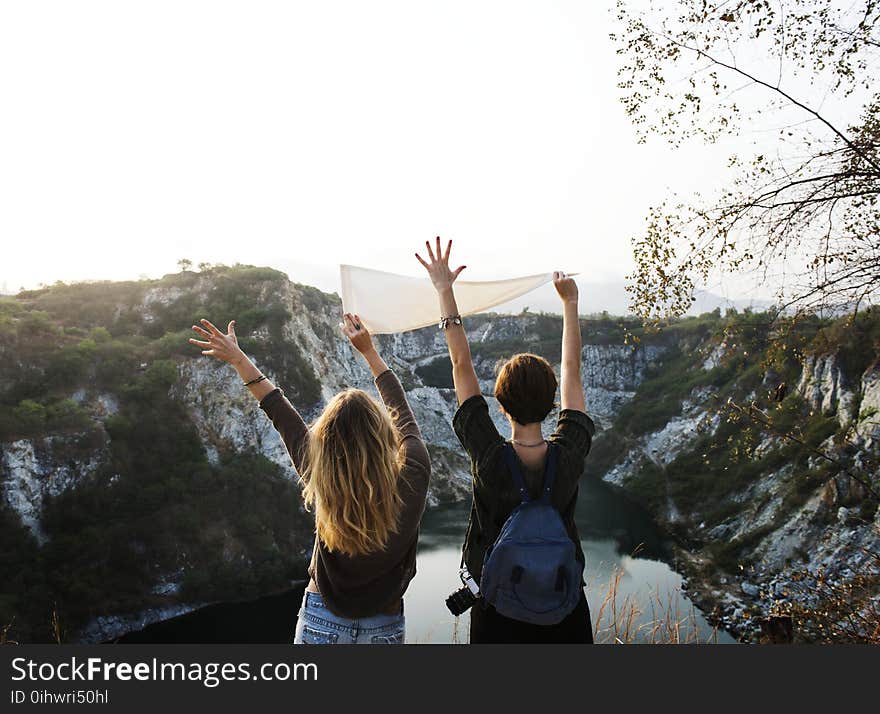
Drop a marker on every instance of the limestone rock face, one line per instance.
(823, 385)
(32, 469)
(612, 374)
(225, 414)
(868, 422)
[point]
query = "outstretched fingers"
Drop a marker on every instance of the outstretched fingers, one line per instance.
(457, 271)
(210, 325)
(201, 333)
(437, 255)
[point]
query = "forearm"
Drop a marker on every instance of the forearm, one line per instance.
(394, 399)
(248, 371)
(464, 377)
(571, 386)
(456, 339)
(571, 335)
(290, 425)
(376, 363)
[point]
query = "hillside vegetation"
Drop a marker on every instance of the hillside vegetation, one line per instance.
(155, 507)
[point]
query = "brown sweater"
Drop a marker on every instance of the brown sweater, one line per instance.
(365, 585)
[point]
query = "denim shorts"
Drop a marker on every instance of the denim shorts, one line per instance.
(316, 625)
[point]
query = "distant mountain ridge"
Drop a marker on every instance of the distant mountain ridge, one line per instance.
(612, 298)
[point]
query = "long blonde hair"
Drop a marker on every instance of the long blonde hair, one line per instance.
(351, 476)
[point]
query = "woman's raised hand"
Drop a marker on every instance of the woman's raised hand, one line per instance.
(357, 334)
(217, 345)
(565, 286)
(360, 339)
(438, 269)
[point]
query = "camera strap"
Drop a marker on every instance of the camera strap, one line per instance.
(467, 535)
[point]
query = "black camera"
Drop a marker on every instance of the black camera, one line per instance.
(461, 600)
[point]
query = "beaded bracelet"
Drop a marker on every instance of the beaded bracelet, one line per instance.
(445, 322)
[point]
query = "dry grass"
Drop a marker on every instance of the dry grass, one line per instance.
(56, 625)
(4, 635)
(55, 629)
(624, 621)
(460, 636)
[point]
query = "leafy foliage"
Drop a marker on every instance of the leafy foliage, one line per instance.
(803, 215)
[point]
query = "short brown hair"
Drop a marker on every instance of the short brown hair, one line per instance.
(525, 388)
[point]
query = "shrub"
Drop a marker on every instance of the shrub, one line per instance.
(437, 373)
(30, 416)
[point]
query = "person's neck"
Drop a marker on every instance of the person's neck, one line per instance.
(526, 433)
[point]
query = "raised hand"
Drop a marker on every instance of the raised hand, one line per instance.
(438, 269)
(360, 339)
(217, 345)
(357, 334)
(565, 286)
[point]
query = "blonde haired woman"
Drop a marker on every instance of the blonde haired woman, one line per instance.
(365, 472)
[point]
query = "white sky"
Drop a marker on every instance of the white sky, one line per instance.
(302, 135)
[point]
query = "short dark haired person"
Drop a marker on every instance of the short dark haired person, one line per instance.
(525, 388)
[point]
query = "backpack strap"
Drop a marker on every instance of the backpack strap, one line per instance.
(516, 473)
(513, 466)
(550, 472)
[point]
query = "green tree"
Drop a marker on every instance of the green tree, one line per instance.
(30, 415)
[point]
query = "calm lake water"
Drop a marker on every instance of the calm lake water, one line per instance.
(621, 544)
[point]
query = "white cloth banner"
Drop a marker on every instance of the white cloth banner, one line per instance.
(387, 302)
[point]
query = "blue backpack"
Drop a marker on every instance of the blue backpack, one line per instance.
(530, 572)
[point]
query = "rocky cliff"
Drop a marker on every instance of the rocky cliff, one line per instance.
(768, 474)
(751, 507)
(293, 338)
